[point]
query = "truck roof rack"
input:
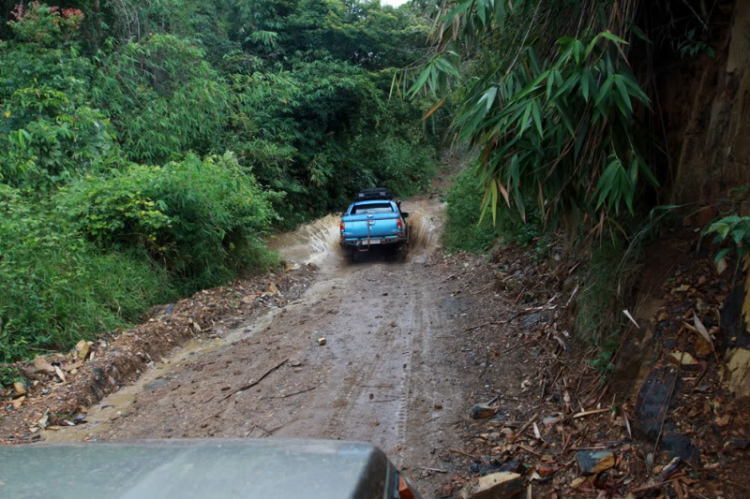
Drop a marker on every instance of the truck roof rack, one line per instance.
(377, 193)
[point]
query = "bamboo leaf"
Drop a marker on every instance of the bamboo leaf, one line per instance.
(604, 91)
(421, 80)
(489, 97)
(504, 192)
(434, 109)
(531, 87)
(623, 93)
(585, 85)
(525, 119)
(610, 36)
(535, 113)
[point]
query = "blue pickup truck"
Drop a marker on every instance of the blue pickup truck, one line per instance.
(374, 220)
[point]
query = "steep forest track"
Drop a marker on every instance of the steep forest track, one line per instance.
(410, 347)
(387, 373)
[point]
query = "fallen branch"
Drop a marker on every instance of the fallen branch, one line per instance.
(516, 316)
(511, 348)
(248, 386)
(211, 416)
(481, 290)
(433, 469)
(261, 428)
(700, 378)
(523, 447)
(656, 485)
(273, 430)
(523, 429)
(456, 451)
(295, 393)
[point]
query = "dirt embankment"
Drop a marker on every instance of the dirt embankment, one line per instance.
(60, 387)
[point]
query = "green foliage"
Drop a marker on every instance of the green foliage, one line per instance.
(603, 362)
(598, 315)
(691, 47)
(466, 230)
(48, 131)
(252, 116)
(164, 98)
(463, 231)
(202, 220)
(8, 375)
(560, 127)
(735, 229)
(51, 139)
(57, 288)
(44, 25)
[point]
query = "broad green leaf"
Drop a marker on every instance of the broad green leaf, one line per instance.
(722, 254)
(610, 36)
(585, 85)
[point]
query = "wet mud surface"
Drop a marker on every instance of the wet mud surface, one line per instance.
(387, 373)
(410, 347)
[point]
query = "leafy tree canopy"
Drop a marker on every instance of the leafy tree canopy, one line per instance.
(173, 135)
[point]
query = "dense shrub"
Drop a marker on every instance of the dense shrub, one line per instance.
(58, 288)
(463, 231)
(164, 98)
(49, 132)
(201, 220)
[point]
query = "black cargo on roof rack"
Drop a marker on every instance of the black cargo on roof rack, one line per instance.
(378, 193)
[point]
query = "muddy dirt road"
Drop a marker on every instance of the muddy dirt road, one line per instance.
(385, 375)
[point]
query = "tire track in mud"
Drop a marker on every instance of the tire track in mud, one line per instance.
(376, 380)
(378, 394)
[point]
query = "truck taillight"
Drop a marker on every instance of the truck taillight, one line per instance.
(399, 224)
(404, 492)
(342, 228)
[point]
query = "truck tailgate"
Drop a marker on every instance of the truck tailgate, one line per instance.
(380, 225)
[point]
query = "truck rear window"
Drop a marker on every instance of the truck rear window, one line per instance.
(372, 209)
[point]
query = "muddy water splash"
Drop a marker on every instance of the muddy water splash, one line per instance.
(318, 242)
(425, 222)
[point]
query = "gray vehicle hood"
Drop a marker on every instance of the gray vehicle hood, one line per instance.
(213, 468)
